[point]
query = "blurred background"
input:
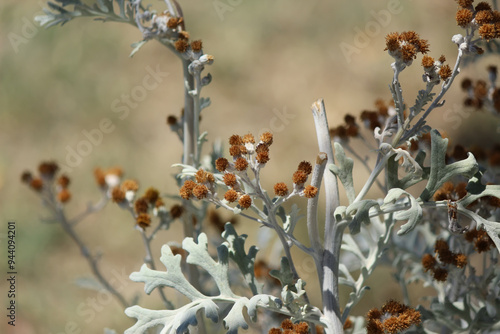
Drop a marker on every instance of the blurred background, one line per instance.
(271, 59)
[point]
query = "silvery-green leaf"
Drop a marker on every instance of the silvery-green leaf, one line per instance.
(408, 180)
(413, 214)
(440, 172)
(361, 211)
(344, 171)
(236, 246)
(284, 274)
(292, 219)
(137, 46)
(173, 321)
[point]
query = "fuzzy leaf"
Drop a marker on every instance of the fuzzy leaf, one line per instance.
(292, 219)
(408, 180)
(284, 275)
(361, 211)
(344, 171)
(236, 246)
(177, 321)
(137, 46)
(440, 172)
(413, 214)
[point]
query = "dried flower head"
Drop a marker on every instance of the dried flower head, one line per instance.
(36, 184)
(200, 191)
(171, 120)
(176, 211)
(100, 177)
(235, 150)
(262, 157)
(465, 3)
(241, 164)
(245, 201)
(117, 195)
(141, 205)
(445, 72)
(483, 17)
(64, 195)
(143, 220)
(152, 195)
(428, 262)
(63, 181)
(235, 140)
(487, 31)
(248, 139)
(230, 180)
(440, 274)
(482, 6)
(427, 61)
(299, 177)
(305, 166)
(48, 169)
(130, 185)
(196, 46)
(464, 17)
(186, 191)
(221, 164)
(310, 191)
(181, 45)
(460, 260)
(202, 176)
(231, 195)
(280, 189)
(267, 138)
(26, 177)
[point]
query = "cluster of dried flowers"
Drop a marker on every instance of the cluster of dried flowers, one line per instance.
(480, 17)
(46, 182)
(438, 263)
(392, 318)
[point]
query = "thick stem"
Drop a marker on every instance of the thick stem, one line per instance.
(333, 237)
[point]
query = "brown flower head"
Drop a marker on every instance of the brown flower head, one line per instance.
(152, 195)
(117, 195)
(130, 185)
(141, 205)
(310, 191)
(267, 138)
(248, 138)
(200, 191)
(262, 157)
(464, 17)
(100, 177)
(445, 72)
(484, 17)
(221, 164)
(482, 6)
(64, 195)
(186, 191)
(299, 177)
(231, 196)
(460, 260)
(427, 61)
(392, 41)
(26, 177)
(305, 166)
(245, 201)
(63, 181)
(428, 262)
(230, 180)
(48, 169)
(143, 220)
(235, 150)
(440, 274)
(196, 46)
(202, 176)
(176, 211)
(465, 3)
(280, 189)
(487, 31)
(171, 120)
(241, 164)
(181, 45)
(235, 140)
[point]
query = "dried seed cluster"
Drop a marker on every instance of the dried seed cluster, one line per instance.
(46, 180)
(481, 93)
(288, 327)
(480, 239)
(481, 17)
(392, 318)
(403, 47)
(436, 70)
(446, 257)
(202, 188)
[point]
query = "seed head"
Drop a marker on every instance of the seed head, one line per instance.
(221, 164)
(280, 189)
(263, 157)
(152, 195)
(445, 72)
(141, 205)
(63, 181)
(230, 180)
(186, 191)
(299, 177)
(235, 140)
(64, 196)
(241, 164)
(428, 262)
(248, 138)
(176, 211)
(181, 45)
(130, 185)
(200, 191)
(440, 274)
(196, 46)
(487, 31)
(48, 169)
(310, 191)
(171, 120)
(305, 166)
(267, 138)
(464, 17)
(117, 195)
(231, 196)
(427, 61)
(143, 220)
(245, 201)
